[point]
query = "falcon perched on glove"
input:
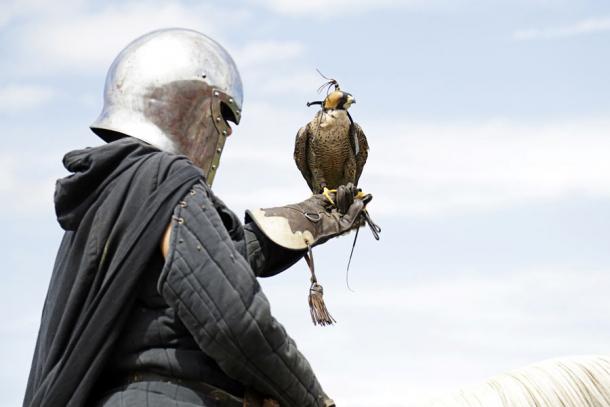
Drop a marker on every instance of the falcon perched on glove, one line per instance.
(331, 149)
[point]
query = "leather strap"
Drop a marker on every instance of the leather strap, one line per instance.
(210, 391)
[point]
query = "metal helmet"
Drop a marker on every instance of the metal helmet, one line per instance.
(174, 89)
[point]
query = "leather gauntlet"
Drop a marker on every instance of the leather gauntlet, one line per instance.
(313, 221)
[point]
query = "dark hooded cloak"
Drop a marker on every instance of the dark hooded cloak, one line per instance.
(114, 209)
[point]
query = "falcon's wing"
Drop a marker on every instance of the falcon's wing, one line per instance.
(357, 136)
(301, 145)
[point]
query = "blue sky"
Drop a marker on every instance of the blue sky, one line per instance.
(489, 132)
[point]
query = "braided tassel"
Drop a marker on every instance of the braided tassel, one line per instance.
(317, 308)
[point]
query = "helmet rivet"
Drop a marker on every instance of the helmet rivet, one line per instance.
(224, 132)
(230, 100)
(218, 119)
(219, 150)
(214, 166)
(216, 93)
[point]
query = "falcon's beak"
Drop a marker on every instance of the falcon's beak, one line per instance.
(349, 101)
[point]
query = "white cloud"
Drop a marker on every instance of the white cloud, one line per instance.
(274, 67)
(588, 26)
(432, 334)
(429, 169)
(257, 53)
(325, 9)
(80, 40)
(12, 9)
(21, 191)
(480, 166)
(17, 97)
(301, 84)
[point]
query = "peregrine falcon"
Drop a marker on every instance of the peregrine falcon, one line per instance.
(331, 149)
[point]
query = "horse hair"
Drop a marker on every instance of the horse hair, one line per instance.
(575, 381)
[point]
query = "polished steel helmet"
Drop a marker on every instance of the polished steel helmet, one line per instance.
(175, 89)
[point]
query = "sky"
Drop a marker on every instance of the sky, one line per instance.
(489, 140)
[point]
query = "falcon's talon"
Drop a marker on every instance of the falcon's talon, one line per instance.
(360, 195)
(327, 192)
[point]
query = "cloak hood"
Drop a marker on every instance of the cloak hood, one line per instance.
(93, 170)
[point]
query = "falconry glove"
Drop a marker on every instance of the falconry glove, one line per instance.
(314, 221)
(304, 225)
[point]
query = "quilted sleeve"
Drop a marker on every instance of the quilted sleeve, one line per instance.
(266, 258)
(216, 295)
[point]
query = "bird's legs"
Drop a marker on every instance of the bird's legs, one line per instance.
(326, 192)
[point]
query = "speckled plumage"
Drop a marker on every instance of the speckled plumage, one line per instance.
(325, 150)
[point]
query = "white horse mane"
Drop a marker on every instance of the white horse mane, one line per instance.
(576, 381)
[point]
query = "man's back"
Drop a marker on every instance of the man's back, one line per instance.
(110, 209)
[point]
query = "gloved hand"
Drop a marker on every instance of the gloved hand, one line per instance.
(313, 221)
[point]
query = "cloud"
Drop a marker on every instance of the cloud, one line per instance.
(85, 41)
(18, 97)
(325, 9)
(441, 333)
(79, 40)
(257, 53)
(583, 27)
(274, 67)
(292, 87)
(429, 169)
(13, 9)
(23, 191)
(299, 84)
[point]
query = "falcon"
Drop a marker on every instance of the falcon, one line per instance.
(331, 149)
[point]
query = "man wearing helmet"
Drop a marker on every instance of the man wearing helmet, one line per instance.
(153, 299)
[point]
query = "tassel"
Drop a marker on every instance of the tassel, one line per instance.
(317, 308)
